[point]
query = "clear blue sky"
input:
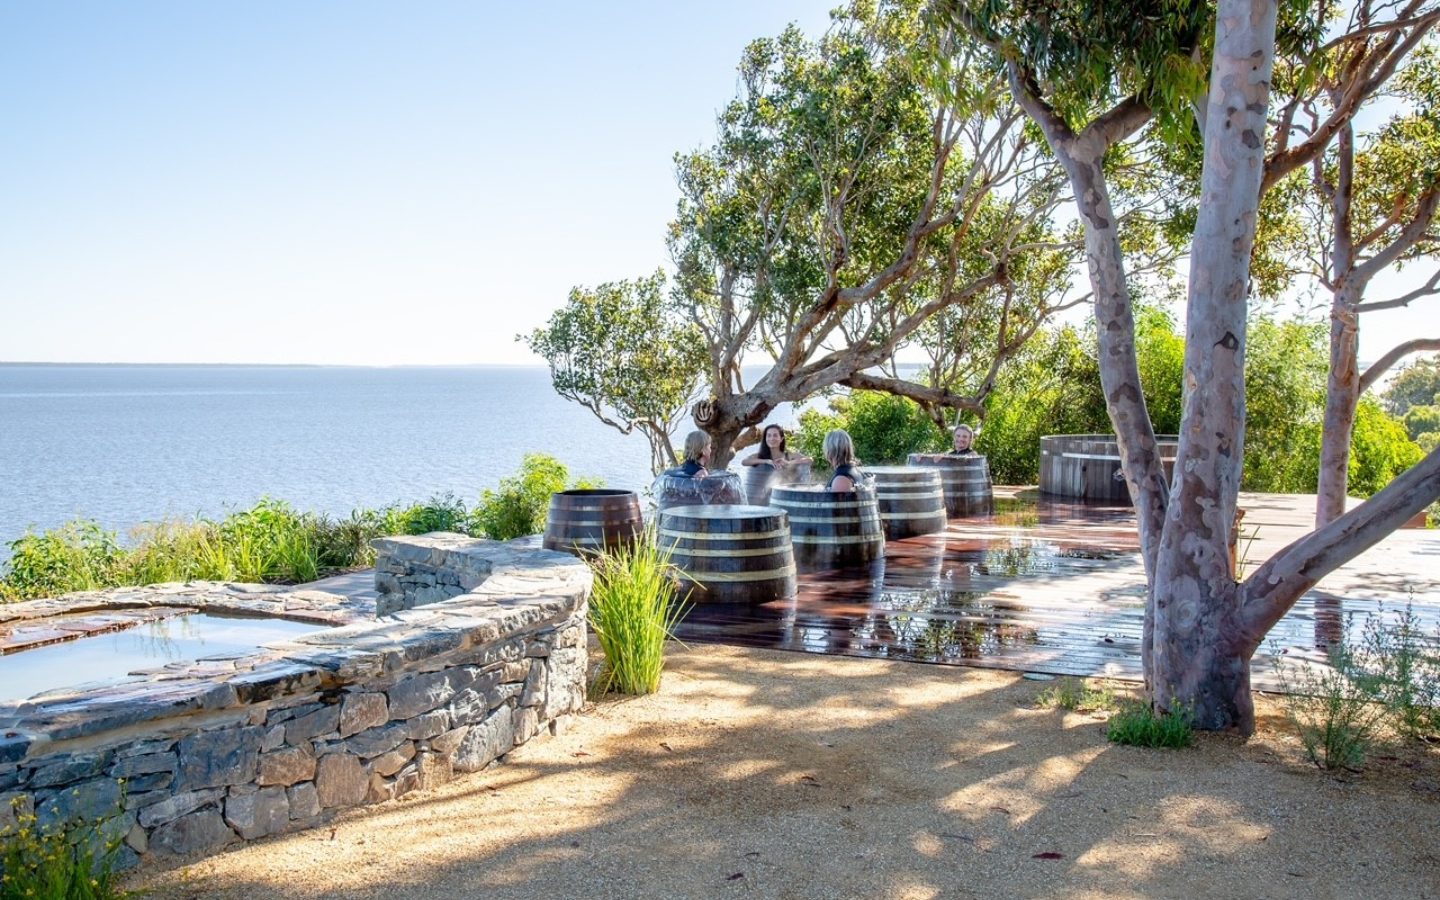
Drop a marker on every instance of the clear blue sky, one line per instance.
(341, 182)
(347, 182)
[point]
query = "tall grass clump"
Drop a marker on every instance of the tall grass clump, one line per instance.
(73, 859)
(77, 556)
(634, 608)
(1137, 724)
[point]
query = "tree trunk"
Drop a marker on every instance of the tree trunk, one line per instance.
(1342, 396)
(1197, 658)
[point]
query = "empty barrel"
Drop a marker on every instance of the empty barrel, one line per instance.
(964, 479)
(911, 500)
(730, 553)
(831, 529)
(591, 521)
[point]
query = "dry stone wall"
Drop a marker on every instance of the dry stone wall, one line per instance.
(354, 715)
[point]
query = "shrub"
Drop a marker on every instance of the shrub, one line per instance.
(884, 427)
(634, 608)
(518, 506)
(72, 859)
(78, 556)
(1137, 724)
(1338, 721)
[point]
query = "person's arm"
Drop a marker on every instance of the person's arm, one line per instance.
(842, 484)
(754, 460)
(798, 459)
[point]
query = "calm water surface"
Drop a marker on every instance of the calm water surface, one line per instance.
(129, 444)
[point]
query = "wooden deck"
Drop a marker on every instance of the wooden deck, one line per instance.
(1058, 587)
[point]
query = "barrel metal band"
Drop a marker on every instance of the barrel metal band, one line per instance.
(717, 577)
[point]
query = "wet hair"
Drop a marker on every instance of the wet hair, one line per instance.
(765, 445)
(963, 427)
(695, 444)
(839, 449)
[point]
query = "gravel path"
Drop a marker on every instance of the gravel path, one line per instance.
(758, 774)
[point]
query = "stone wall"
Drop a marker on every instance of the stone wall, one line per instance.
(281, 740)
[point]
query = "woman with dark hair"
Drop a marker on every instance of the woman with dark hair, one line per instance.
(771, 463)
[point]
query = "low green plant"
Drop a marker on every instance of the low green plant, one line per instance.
(77, 556)
(634, 607)
(517, 507)
(1137, 724)
(1077, 695)
(71, 859)
(1339, 722)
(1398, 664)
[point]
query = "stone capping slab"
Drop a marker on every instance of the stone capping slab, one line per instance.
(524, 588)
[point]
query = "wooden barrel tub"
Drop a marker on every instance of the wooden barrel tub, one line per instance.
(965, 480)
(672, 490)
(587, 522)
(831, 529)
(730, 553)
(760, 480)
(911, 500)
(1087, 466)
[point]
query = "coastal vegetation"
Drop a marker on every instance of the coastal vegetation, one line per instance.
(634, 608)
(270, 543)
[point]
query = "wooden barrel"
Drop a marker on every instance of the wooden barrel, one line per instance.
(730, 553)
(760, 480)
(673, 490)
(589, 521)
(1087, 466)
(965, 480)
(910, 499)
(831, 529)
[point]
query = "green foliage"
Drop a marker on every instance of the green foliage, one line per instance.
(623, 351)
(884, 427)
(1338, 719)
(1380, 449)
(1137, 724)
(1418, 384)
(1077, 695)
(634, 608)
(1422, 424)
(78, 556)
(69, 859)
(518, 506)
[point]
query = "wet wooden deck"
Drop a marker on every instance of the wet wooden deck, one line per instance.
(1058, 588)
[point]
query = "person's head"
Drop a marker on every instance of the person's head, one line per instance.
(697, 447)
(772, 444)
(839, 449)
(964, 438)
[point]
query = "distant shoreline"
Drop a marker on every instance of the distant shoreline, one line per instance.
(211, 365)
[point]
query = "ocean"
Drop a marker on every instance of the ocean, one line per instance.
(129, 444)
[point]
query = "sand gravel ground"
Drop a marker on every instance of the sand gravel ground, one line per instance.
(759, 774)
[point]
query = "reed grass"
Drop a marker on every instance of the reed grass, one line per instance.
(634, 608)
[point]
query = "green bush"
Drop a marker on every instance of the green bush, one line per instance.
(518, 506)
(73, 859)
(1077, 695)
(634, 608)
(1339, 721)
(884, 427)
(77, 556)
(1137, 724)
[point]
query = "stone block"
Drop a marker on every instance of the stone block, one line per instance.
(274, 738)
(266, 811)
(144, 765)
(222, 757)
(361, 711)
(388, 764)
(376, 741)
(203, 830)
(450, 741)
(304, 801)
(144, 748)
(341, 781)
(286, 766)
(537, 685)
(312, 725)
(65, 768)
(429, 725)
(527, 725)
(178, 805)
(434, 770)
(426, 691)
(486, 742)
(92, 799)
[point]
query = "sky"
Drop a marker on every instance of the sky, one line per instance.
(356, 183)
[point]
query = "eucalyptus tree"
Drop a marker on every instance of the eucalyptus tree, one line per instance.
(620, 351)
(852, 211)
(1095, 75)
(1371, 202)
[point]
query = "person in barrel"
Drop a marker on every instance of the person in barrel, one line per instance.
(697, 456)
(774, 454)
(840, 453)
(964, 441)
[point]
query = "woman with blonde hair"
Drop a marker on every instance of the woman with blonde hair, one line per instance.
(697, 455)
(840, 453)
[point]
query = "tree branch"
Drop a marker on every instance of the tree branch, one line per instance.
(1397, 353)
